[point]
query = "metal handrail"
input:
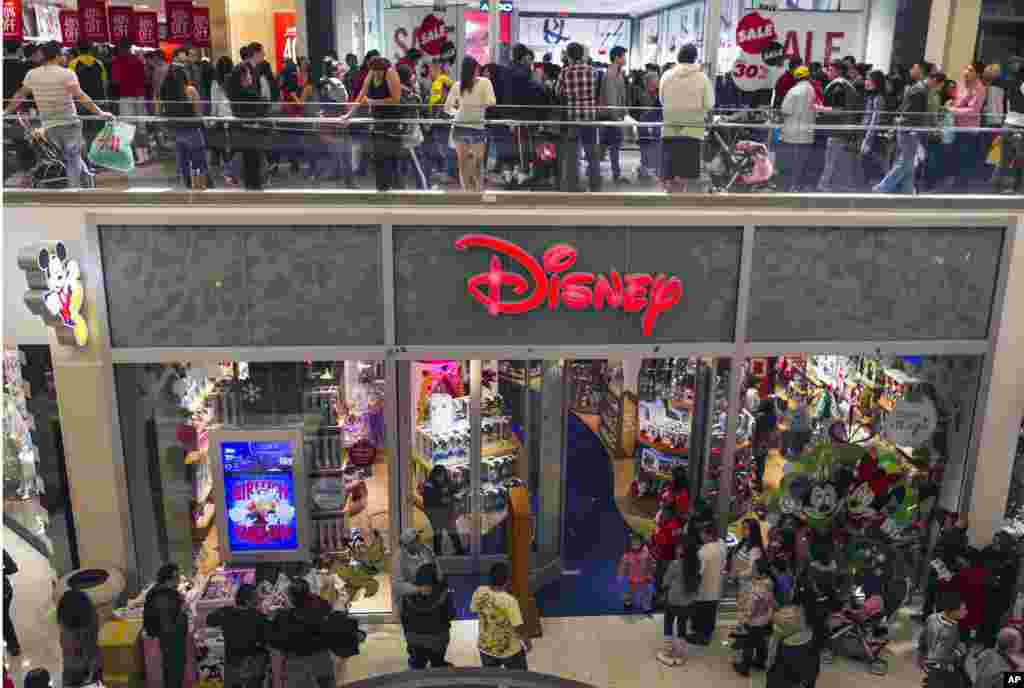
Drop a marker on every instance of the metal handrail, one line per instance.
(467, 678)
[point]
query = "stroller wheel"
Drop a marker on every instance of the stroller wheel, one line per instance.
(879, 667)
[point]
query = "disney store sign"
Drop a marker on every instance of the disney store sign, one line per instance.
(55, 291)
(550, 285)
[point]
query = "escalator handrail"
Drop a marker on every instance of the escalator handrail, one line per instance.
(469, 677)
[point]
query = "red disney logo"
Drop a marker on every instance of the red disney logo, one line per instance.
(577, 291)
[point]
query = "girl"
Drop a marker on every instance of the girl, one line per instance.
(79, 634)
(872, 148)
(382, 92)
(635, 567)
(759, 625)
(666, 537)
(677, 493)
(467, 102)
(744, 561)
(412, 132)
(682, 581)
(966, 111)
(179, 99)
(165, 643)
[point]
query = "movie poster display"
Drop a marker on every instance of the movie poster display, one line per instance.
(261, 495)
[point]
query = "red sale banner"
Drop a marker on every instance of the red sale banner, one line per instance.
(13, 30)
(70, 33)
(121, 24)
(92, 21)
(201, 27)
(144, 30)
(179, 21)
(284, 37)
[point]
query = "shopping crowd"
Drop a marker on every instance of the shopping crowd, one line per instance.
(424, 123)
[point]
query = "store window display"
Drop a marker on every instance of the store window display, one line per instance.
(336, 408)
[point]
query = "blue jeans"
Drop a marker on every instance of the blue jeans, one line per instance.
(841, 171)
(968, 147)
(69, 139)
(612, 138)
(333, 159)
(795, 160)
(569, 154)
(190, 146)
(901, 177)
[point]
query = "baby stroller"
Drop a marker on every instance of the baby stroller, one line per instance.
(733, 161)
(49, 170)
(863, 632)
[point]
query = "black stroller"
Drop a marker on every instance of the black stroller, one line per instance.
(733, 159)
(49, 170)
(796, 662)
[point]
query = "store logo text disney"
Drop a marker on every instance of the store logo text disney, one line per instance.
(549, 283)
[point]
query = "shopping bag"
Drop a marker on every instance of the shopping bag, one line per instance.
(112, 148)
(995, 153)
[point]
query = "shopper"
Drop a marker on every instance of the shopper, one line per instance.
(129, 73)
(712, 555)
(844, 107)
(744, 560)
(872, 147)
(765, 424)
(249, 106)
(795, 149)
(912, 114)
(503, 641)
(668, 530)
(220, 107)
(759, 624)
(55, 90)
(467, 102)
(300, 634)
(577, 89)
(970, 151)
(166, 642)
(181, 104)
(79, 634)
(687, 95)
(11, 645)
(682, 583)
(787, 81)
(382, 92)
(246, 630)
(936, 143)
(940, 652)
(1007, 655)
(636, 569)
(413, 556)
(439, 504)
(1011, 173)
(427, 620)
(613, 101)
(443, 165)
(92, 76)
(799, 432)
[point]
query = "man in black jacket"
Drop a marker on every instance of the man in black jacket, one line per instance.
(1010, 177)
(427, 620)
(913, 113)
(245, 640)
(526, 97)
(841, 168)
(247, 103)
(301, 634)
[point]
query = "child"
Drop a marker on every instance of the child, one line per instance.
(682, 583)
(635, 567)
(939, 650)
(38, 678)
(759, 627)
(669, 530)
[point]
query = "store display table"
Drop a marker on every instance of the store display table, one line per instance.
(117, 650)
(103, 586)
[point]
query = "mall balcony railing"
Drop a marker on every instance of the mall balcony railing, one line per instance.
(330, 146)
(467, 678)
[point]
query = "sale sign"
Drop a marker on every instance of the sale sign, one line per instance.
(179, 21)
(201, 27)
(70, 32)
(121, 24)
(92, 21)
(144, 30)
(13, 30)
(767, 41)
(285, 34)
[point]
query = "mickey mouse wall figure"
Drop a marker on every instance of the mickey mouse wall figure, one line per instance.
(64, 293)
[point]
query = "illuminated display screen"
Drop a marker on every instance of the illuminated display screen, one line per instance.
(259, 488)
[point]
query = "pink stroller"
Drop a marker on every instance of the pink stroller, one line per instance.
(734, 162)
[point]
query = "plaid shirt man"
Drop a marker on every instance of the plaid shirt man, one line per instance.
(578, 87)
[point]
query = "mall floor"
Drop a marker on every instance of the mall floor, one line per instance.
(606, 651)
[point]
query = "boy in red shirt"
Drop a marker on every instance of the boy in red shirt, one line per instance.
(668, 533)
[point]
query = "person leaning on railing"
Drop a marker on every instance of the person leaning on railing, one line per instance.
(247, 103)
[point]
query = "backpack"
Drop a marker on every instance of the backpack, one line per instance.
(90, 77)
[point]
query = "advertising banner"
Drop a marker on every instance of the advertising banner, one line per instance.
(92, 21)
(121, 21)
(201, 27)
(553, 33)
(70, 33)
(47, 23)
(179, 21)
(812, 36)
(285, 33)
(144, 29)
(418, 27)
(12, 20)
(259, 490)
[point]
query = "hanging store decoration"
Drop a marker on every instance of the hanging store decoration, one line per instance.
(55, 290)
(121, 22)
(70, 29)
(13, 30)
(201, 27)
(92, 21)
(144, 30)
(911, 423)
(179, 20)
(550, 284)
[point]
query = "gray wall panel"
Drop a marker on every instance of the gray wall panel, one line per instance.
(434, 307)
(863, 284)
(234, 286)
